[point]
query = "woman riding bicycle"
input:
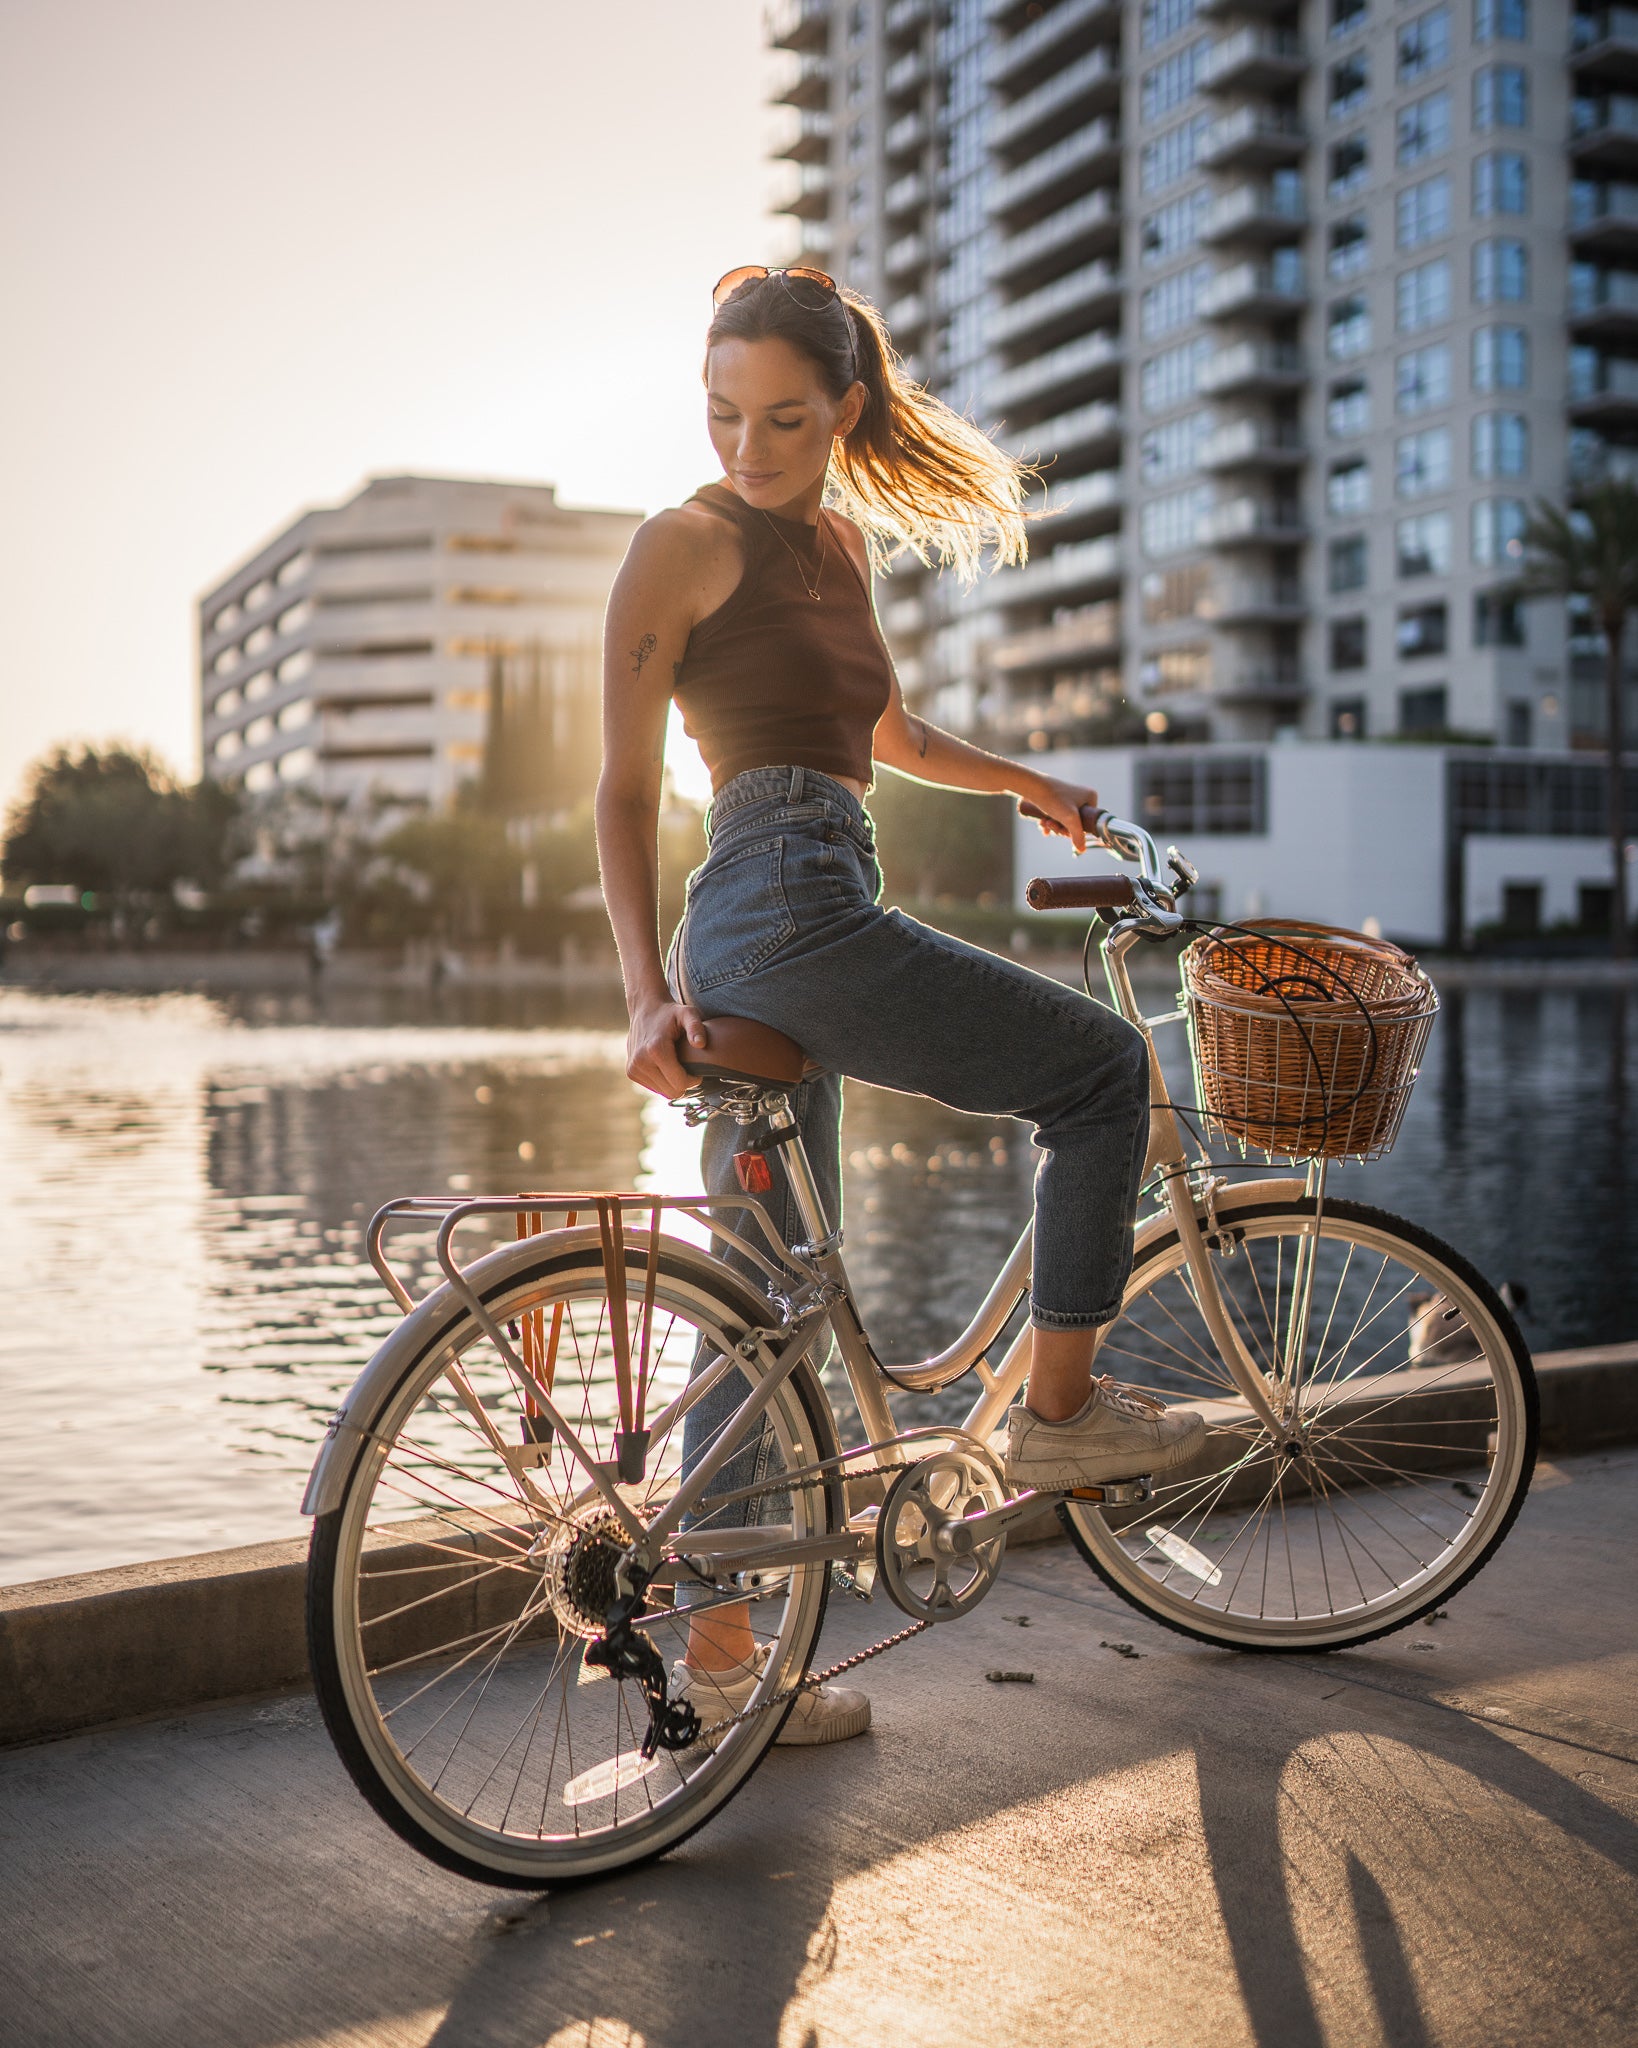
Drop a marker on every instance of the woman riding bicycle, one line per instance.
(750, 605)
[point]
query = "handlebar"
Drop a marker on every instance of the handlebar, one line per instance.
(1100, 892)
(1117, 836)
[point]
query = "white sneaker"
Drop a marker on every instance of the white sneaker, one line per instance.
(1121, 1433)
(829, 1713)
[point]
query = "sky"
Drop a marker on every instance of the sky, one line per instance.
(253, 255)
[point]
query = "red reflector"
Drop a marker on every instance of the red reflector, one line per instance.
(754, 1177)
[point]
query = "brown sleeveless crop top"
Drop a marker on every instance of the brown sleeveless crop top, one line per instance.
(772, 678)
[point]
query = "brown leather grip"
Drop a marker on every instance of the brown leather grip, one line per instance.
(1092, 817)
(1103, 892)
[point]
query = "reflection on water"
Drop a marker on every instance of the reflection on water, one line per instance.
(184, 1182)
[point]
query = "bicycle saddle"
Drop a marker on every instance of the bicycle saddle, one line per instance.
(737, 1049)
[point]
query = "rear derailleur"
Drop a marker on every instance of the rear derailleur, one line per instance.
(626, 1652)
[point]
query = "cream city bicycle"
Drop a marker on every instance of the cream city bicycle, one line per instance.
(507, 1547)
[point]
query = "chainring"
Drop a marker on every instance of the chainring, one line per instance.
(932, 1565)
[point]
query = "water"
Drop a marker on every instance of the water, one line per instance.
(184, 1183)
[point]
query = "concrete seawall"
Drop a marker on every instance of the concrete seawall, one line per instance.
(102, 1647)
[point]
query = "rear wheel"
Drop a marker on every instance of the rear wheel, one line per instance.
(456, 1588)
(1407, 1387)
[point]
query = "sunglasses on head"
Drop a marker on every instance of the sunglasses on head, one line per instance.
(813, 290)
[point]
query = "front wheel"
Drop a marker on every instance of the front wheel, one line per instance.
(465, 1572)
(1411, 1422)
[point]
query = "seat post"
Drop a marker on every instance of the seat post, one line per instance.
(803, 1186)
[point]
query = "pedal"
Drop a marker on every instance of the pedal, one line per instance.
(1117, 1493)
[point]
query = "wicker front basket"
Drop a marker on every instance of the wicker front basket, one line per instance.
(1305, 1038)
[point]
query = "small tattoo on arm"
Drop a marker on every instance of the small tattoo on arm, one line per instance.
(641, 652)
(922, 749)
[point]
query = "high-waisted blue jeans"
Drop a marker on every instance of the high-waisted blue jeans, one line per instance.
(782, 925)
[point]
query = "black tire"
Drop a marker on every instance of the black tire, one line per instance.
(1465, 1312)
(510, 1282)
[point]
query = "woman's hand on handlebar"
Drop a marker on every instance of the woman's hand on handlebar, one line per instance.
(651, 1046)
(1058, 806)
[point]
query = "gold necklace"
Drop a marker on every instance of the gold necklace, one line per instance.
(819, 566)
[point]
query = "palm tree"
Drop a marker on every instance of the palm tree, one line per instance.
(1592, 552)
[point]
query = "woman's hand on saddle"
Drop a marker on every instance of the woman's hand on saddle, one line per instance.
(1060, 805)
(651, 1046)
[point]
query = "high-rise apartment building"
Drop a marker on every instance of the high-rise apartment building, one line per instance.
(392, 647)
(1300, 304)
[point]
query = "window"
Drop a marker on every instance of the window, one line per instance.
(1497, 21)
(1170, 594)
(1422, 295)
(1501, 97)
(1422, 211)
(1424, 545)
(1497, 621)
(1175, 227)
(1424, 711)
(1501, 359)
(1350, 166)
(1350, 246)
(1521, 901)
(1163, 19)
(1424, 44)
(1423, 629)
(1174, 449)
(1350, 85)
(1171, 377)
(1171, 303)
(1498, 532)
(1346, 564)
(1501, 183)
(1422, 462)
(1172, 523)
(1347, 15)
(1422, 378)
(1347, 643)
(1347, 327)
(1348, 407)
(1501, 271)
(1423, 128)
(1202, 792)
(1519, 723)
(1501, 444)
(1348, 718)
(1169, 83)
(1348, 488)
(1171, 156)
(1176, 668)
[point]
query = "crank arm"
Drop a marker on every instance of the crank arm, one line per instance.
(1113, 1493)
(713, 1563)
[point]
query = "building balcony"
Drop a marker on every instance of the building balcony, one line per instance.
(1604, 48)
(1604, 132)
(1254, 444)
(908, 253)
(1259, 291)
(904, 615)
(1086, 227)
(906, 136)
(1058, 173)
(809, 198)
(1254, 523)
(907, 315)
(1605, 306)
(1091, 292)
(1212, 9)
(1081, 435)
(1091, 361)
(800, 25)
(1264, 683)
(808, 84)
(1255, 602)
(1083, 504)
(1604, 220)
(905, 195)
(1254, 366)
(1255, 213)
(1253, 136)
(1052, 42)
(1091, 84)
(809, 139)
(905, 75)
(1084, 568)
(1609, 396)
(1255, 60)
(1602, 464)
(1090, 631)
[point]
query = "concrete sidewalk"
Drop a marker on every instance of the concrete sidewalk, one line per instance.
(1432, 1840)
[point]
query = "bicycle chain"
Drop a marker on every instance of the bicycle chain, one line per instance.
(813, 1681)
